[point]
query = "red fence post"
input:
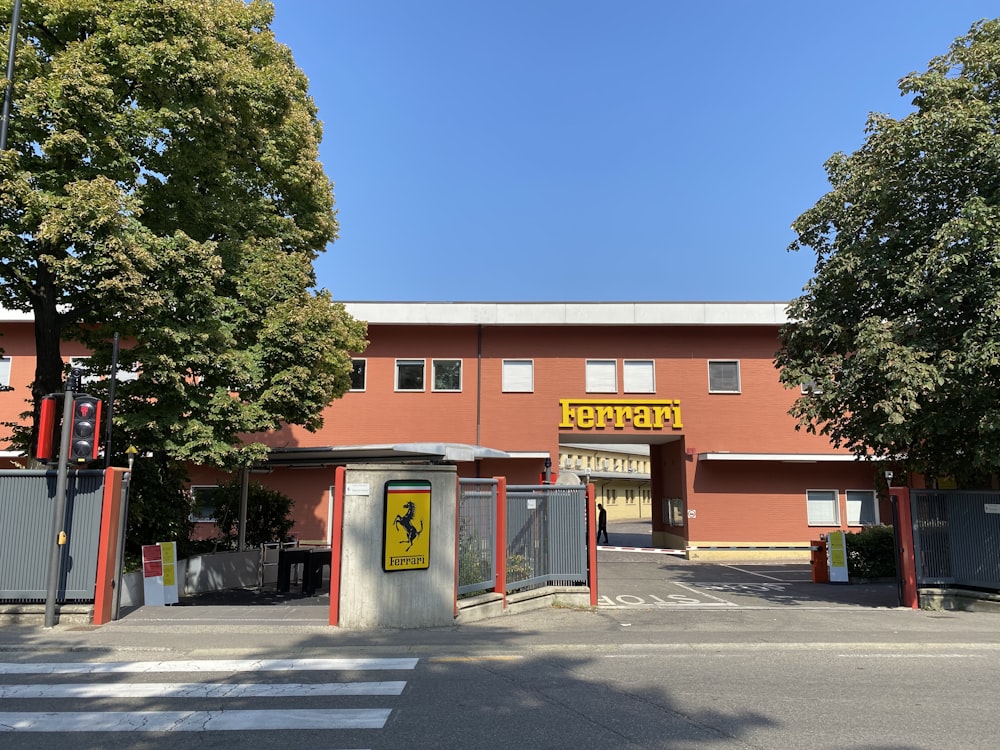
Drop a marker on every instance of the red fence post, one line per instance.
(458, 531)
(591, 545)
(501, 541)
(336, 542)
(107, 549)
(900, 497)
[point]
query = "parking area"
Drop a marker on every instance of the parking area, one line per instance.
(633, 579)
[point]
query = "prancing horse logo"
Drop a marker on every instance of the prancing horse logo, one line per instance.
(406, 521)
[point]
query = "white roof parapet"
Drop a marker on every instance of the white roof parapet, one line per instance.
(15, 316)
(549, 313)
(570, 313)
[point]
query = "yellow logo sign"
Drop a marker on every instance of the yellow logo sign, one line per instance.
(406, 541)
(642, 414)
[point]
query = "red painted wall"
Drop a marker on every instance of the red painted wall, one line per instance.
(753, 501)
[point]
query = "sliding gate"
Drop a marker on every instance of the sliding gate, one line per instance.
(956, 538)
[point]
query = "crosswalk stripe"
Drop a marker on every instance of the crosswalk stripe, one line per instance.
(200, 690)
(207, 665)
(193, 721)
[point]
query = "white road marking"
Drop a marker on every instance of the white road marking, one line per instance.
(646, 550)
(200, 690)
(322, 717)
(206, 665)
(193, 721)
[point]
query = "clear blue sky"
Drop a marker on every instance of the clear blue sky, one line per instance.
(593, 150)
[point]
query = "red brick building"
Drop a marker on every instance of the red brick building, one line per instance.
(499, 386)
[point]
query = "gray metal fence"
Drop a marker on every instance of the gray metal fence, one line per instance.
(956, 537)
(477, 524)
(546, 535)
(27, 500)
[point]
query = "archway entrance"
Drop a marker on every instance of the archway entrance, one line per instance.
(640, 482)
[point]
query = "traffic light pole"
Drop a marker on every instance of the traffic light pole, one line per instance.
(58, 538)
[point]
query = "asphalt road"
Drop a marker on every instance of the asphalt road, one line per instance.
(788, 665)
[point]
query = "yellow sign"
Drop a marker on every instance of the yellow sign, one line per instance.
(406, 541)
(641, 414)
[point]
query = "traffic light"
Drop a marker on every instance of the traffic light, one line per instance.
(85, 428)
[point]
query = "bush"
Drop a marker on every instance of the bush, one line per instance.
(871, 553)
(473, 560)
(159, 509)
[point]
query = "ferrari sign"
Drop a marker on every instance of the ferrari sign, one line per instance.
(406, 537)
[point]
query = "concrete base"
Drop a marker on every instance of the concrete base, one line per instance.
(485, 606)
(959, 600)
(34, 614)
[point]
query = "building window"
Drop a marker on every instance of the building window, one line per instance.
(409, 374)
(862, 510)
(602, 376)
(810, 386)
(637, 376)
(673, 511)
(447, 374)
(724, 376)
(203, 503)
(358, 367)
(4, 371)
(822, 508)
(518, 376)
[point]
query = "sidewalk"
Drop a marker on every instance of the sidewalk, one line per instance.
(766, 613)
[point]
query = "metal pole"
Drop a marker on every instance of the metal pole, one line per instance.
(244, 494)
(111, 402)
(8, 96)
(58, 538)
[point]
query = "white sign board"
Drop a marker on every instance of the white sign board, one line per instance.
(159, 573)
(836, 556)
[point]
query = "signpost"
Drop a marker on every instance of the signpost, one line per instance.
(836, 545)
(159, 574)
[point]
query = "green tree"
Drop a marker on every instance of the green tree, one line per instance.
(898, 332)
(159, 508)
(162, 181)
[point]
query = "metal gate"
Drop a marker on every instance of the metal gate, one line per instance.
(546, 535)
(546, 540)
(27, 502)
(477, 524)
(956, 537)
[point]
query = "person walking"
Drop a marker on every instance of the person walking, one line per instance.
(602, 523)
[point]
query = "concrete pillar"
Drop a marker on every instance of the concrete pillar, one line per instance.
(370, 597)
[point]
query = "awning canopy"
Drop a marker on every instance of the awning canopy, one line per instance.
(794, 458)
(335, 455)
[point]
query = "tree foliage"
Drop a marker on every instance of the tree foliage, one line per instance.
(898, 332)
(159, 508)
(162, 181)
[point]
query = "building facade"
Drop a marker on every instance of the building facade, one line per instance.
(676, 408)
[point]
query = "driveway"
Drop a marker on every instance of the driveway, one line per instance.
(644, 578)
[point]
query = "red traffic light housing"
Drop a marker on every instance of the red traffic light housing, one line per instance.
(85, 428)
(47, 419)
